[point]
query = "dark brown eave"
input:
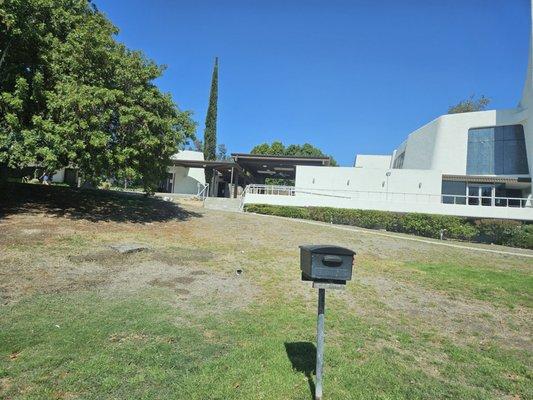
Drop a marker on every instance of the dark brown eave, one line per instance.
(215, 164)
(486, 178)
(290, 159)
(260, 167)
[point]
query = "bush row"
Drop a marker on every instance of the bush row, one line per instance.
(497, 231)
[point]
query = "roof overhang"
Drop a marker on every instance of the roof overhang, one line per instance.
(219, 165)
(266, 166)
(486, 178)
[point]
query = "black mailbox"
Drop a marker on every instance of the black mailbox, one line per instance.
(325, 263)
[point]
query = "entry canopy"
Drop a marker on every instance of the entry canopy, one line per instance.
(219, 165)
(265, 166)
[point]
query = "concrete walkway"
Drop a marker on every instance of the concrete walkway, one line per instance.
(222, 204)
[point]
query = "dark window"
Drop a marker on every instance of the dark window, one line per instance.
(499, 150)
(453, 192)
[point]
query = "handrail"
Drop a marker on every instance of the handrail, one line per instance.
(484, 201)
(202, 194)
(243, 195)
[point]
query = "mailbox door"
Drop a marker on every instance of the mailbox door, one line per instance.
(332, 267)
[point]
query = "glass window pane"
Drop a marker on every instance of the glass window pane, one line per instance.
(454, 187)
(486, 195)
(473, 190)
(460, 200)
(497, 151)
(499, 133)
(499, 158)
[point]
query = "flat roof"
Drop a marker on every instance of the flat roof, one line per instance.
(257, 166)
(306, 159)
(261, 166)
(216, 164)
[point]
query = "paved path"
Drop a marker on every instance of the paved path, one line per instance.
(517, 253)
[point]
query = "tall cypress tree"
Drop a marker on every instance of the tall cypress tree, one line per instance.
(210, 133)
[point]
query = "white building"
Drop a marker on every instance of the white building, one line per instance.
(185, 179)
(476, 164)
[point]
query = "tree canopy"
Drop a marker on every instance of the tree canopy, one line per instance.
(71, 95)
(470, 105)
(277, 148)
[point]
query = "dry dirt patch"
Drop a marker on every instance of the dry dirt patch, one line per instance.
(193, 290)
(463, 319)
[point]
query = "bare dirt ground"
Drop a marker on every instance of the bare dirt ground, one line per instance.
(198, 259)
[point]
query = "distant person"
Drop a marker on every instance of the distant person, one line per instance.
(45, 178)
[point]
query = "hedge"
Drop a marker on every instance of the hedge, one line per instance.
(497, 231)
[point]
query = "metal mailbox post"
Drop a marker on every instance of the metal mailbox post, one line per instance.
(328, 267)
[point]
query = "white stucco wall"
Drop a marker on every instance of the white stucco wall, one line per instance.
(419, 147)
(372, 161)
(186, 180)
(398, 190)
(188, 155)
(343, 181)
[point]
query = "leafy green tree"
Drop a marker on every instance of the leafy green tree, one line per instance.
(222, 152)
(71, 95)
(210, 133)
(277, 148)
(470, 105)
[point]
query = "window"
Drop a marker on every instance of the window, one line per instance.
(453, 192)
(398, 161)
(482, 194)
(499, 150)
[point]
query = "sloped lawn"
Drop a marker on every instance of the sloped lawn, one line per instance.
(78, 320)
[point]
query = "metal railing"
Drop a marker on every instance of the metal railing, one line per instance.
(270, 189)
(203, 191)
(486, 201)
(391, 196)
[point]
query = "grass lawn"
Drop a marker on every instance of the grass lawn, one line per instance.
(81, 321)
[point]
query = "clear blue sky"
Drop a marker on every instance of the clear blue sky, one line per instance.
(353, 76)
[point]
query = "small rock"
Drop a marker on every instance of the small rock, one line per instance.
(126, 248)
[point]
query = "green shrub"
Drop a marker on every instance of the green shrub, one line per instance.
(524, 237)
(432, 225)
(505, 232)
(497, 231)
(282, 211)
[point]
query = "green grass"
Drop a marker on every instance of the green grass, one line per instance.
(135, 349)
(95, 348)
(508, 287)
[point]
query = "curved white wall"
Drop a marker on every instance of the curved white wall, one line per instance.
(442, 144)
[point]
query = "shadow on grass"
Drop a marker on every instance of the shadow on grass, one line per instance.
(92, 205)
(302, 355)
